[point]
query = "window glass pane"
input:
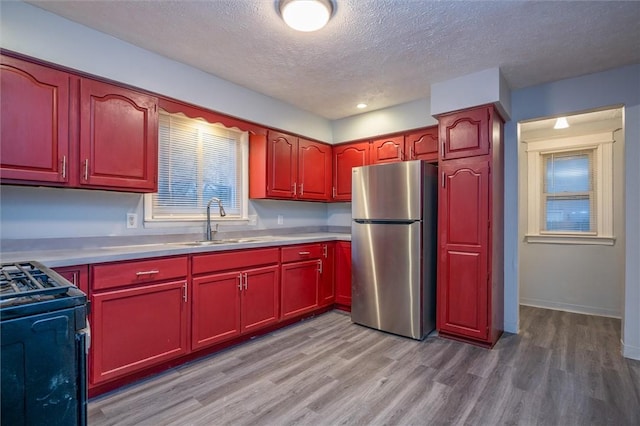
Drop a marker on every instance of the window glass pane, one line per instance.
(568, 214)
(567, 173)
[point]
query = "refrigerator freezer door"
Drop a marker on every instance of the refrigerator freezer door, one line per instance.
(386, 282)
(387, 191)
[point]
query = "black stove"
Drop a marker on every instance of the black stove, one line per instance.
(29, 287)
(44, 340)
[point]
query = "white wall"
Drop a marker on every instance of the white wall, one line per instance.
(41, 34)
(410, 115)
(617, 86)
(37, 212)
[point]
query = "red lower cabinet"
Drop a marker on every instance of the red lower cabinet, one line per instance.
(228, 303)
(300, 284)
(216, 308)
(343, 274)
(76, 275)
(327, 275)
(134, 328)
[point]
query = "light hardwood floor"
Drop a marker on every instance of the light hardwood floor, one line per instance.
(562, 369)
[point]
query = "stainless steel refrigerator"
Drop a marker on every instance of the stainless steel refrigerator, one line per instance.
(393, 247)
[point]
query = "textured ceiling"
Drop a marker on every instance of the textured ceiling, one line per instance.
(382, 52)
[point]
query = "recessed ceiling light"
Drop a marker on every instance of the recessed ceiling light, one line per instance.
(561, 123)
(361, 105)
(306, 15)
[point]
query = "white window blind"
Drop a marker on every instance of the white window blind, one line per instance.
(568, 192)
(196, 161)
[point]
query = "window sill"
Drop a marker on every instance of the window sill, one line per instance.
(570, 239)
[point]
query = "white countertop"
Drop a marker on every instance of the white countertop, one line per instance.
(82, 256)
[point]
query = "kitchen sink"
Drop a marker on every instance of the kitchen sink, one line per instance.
(216, 242)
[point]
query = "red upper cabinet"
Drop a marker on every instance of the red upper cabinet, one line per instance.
(314, 171)
(346, 157)
(387, 150)
(282, 166)
(422, 144)
(59, 129)
(118, 137)
(35, 122)
(465, 134)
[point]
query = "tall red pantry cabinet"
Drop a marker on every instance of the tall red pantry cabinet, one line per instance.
(470, 226)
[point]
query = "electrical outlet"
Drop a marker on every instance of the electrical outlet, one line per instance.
(280, 219)
(132, 220)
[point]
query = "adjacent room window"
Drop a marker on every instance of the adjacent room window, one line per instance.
(198, 160)
(570, 190)
(568, 194)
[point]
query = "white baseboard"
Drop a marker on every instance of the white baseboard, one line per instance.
(629, 351)
(579, 309)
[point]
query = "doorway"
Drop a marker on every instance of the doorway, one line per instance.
(571, 213)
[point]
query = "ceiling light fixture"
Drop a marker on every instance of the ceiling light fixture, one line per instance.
(561, 123)
(361, 106)
(306, 15)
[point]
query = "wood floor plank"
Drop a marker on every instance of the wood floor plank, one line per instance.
(562, 369)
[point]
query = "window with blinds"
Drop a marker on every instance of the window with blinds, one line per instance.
(197, 160)
(568, 192)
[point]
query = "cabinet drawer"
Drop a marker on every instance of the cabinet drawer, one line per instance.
(301, 252)
(239, 259)
(121, 274)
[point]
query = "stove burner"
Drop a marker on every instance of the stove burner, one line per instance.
(28, 279)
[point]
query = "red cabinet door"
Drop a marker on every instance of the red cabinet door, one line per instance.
(327, 275)
(137, 327)
(314, 170)
(463, 275)
(215, 308)
(389, 150)
(118, 137)
(422, 144)
(300, 283)
(343, 273)
(282, 165)
(465, 134)
(34, 112)
(76, 275)
(345, 157)
(260, 298)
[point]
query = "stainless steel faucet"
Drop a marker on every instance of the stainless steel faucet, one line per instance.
(209, 234)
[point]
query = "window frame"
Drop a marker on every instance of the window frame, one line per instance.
(601, 145)
(192, 219)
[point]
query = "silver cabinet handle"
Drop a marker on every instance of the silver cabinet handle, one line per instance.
(443, 179)
(301, 188)
(153, 271)
(320, 266)
(324, 250)
(412, 155)
(304, 253)
(74, 279)
(64, 167)
(240, 282)
(184, 292)
(246, 281)
(86, 169)
(295, 188)
(334, 192)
